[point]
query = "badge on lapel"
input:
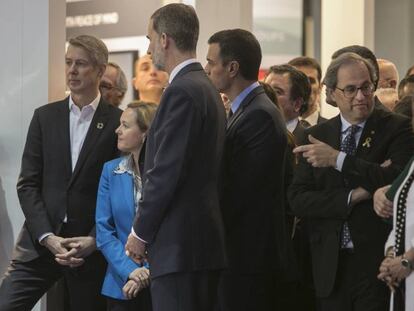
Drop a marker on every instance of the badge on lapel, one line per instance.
(99, 125)
(367, 141)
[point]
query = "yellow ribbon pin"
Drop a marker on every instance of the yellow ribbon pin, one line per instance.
(367, 142)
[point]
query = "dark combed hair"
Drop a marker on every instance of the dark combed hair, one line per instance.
(180, 22)
(241, 46)
(300, 85)
(364, 52)
(305, 61)
(403, 83)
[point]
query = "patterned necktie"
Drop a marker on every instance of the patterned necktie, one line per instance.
(348, 146)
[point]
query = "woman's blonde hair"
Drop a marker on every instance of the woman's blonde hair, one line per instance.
(144, 113)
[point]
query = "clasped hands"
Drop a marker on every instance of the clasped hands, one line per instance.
(70, 251)
(392, 272)
(137, 280)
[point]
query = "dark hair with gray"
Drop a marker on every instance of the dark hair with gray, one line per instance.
(270, 92)
(299, 84)
(331, 76)
(365, 53)
(121, 80)
(241, 46)
(144, 113)
(305, 61)
(180, 22)
(94, 47)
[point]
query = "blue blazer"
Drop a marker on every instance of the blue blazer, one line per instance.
(115, 212)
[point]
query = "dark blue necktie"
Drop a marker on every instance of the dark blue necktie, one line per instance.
(348, 146)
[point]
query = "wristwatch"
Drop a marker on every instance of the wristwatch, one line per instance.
(406, 263)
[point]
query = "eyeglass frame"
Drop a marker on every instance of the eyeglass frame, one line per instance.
(110, 87)
(369, 85)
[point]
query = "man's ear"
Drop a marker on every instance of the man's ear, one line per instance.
(330, 97)
(233, 68)
(297, 104)
(101, 70)
(164, 40)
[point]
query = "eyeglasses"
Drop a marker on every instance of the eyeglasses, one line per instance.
(351, 91)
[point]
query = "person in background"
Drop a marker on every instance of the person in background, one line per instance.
(387, 96)
(149, 81)
(67, 144)
(404, 106)
(120, 188)
(311, 68)
(293, 90)
(113, 84)
(388, 74)
(397, 201)
(406, 87)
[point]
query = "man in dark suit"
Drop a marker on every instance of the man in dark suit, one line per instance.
(179, 220)
(253, 184)
(293, 90)
(343, 162)
(311, 68)
(67, 144)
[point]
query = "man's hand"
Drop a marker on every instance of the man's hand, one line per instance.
(135, 249)
(54, 244)
(80, 247)
(141, 275)
(358, 195)
(394, 269)
(317, 153)
(382, 206)
(131, 289)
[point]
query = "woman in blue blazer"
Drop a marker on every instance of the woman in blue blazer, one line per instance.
(126, 282)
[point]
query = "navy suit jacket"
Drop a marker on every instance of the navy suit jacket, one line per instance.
(115, 212)
(253, 199)
(179, 214)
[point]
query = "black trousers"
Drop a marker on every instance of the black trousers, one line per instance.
(25, 283)
(140, 303)
(186, 291)
(246, 292)
(355, 288)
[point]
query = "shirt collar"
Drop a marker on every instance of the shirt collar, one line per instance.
(180, 66)
(93, 104)
(125, 166)
(346, 124)
(291, 125)
(239, 99)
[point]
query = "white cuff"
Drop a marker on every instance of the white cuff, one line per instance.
(135, 235)
(340, 160)
(43, 236)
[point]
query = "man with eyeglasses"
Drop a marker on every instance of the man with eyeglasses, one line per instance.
(342, 163)
(113, 85)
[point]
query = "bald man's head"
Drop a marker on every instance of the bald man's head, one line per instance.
(388, 74)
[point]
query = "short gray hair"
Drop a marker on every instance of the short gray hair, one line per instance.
(94, 47)
(331, 76)
(180, 22)
(121, 80)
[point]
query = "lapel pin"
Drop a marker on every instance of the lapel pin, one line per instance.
(99, 126)
(367, 142)
(372, 132)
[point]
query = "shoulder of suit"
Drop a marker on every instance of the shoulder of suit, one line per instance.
(54, 105)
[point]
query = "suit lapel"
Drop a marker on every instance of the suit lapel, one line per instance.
(369, 135)
(96, 128)
(249, 98)
(64, 134)
(128, 191)
(333, 135)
